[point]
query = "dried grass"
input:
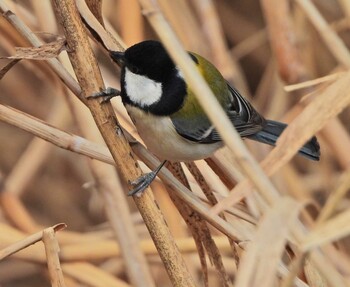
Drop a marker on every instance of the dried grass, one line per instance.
(286, 219)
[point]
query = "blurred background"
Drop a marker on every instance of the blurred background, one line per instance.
(43, 184)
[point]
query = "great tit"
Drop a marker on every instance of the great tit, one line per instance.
(168, 116)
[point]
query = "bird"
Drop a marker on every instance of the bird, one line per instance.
(168, 116)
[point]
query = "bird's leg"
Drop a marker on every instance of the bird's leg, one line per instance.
(141, 183)
(107, 94)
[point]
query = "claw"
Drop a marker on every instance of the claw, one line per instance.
(107, 94)
(141, 183)
(144, 181)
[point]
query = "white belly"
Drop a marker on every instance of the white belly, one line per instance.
(161, 138)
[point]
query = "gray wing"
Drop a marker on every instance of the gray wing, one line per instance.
(243, 116)
(196, 130)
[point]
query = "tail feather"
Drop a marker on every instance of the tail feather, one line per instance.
(270, 133)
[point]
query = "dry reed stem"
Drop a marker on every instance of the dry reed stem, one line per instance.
(327, 105)
(215, 220)
(145, 281)
(112, 43)
(32, 239)
(275, 159)
(115, 202)
(333, 130)
(313, 277)
(329, 231)
(338, 140)
(91, 275)
(13, 207)
(35, 154)
(207, 99)
(334, 279)
(283, 40)
(129, 14)
(222, 59)
(223, 167)
(310, 83)
(335, 45)
(212, 178)
(274, 227)
(280, 16)
(82, 146)
(173, 219)
(94, 250)
(95, 6)
(294, 268)
(247, 46)
(199, 229)
(54, 135)
(185, 24)
(209, 194)
(53, 262)
(235, 229)
(116, 205)
(309, 181)
(10, 236)
(34, 40)
(341, 25)
(90, 80)
(346, 7)
(105, 249)
(120, 220)
(335, 197)
(46, 20)
(293, 181)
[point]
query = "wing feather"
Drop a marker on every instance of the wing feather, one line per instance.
(243, 116)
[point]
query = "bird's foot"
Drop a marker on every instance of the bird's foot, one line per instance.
(107, 94)
(144, 181)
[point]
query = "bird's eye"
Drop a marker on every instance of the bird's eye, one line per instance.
(135, 70)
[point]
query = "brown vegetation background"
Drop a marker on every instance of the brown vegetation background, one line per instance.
(264, 48)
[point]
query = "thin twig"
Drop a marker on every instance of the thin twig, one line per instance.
(32, 239)
(307, 84)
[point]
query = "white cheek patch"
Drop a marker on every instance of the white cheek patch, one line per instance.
(142, 90)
